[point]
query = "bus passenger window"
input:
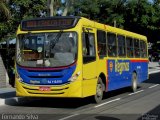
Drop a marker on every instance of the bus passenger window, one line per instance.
(89, 53)
(101, 40)
(136, 48)
(130, 50)
(143, 49)
(121, 46)
(112, 47)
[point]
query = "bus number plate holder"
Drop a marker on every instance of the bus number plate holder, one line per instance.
(44, 88)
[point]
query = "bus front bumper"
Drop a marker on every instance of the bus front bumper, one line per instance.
(73, 89)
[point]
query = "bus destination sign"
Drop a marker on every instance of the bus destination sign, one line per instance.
(48, 24)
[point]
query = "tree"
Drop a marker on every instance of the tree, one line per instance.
(58, 5)
(112, 12)
(87, 8)
(156, 1)
(29, 8)
(4, 11)
(104, 11)
(142, 17)
(53, 5)
(68, 5)
(4, 18)
(19, 10)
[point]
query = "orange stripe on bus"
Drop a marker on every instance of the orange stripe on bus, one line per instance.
(139, 60)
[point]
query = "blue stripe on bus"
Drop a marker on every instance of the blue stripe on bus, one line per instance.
(120, 72)
(49, 77)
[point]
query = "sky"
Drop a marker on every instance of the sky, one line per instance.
(150, 1)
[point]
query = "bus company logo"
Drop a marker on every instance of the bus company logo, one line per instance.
(111, 66)
(34, 82)
(121, 67)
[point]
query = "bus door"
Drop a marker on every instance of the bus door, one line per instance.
(89, 62)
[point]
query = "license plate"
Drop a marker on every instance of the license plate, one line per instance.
(43, 88)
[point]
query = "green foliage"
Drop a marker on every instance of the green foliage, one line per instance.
(4, 12)
(141, 13)
(140, 16)
(29, 8)
(21, 9)
(87, 8)
(104, 11)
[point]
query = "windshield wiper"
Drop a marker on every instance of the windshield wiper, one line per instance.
(56, 39)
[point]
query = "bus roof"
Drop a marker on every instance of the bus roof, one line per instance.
(66, 22)
(100, 26)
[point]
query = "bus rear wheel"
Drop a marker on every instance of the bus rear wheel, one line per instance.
(99, 91)
(134, 82)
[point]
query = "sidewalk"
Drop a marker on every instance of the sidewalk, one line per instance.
(153, 67)
(7, 92)
(8, 95)
(153, 64)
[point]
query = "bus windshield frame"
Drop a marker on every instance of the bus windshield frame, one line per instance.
(53, 49)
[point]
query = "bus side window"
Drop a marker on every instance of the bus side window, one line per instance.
(121, 46)
(143, 49)
(112, 46)
(89, 53)
(130, 49)
(137, 48)
(101, 40)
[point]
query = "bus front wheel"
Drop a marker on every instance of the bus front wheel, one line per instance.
(99, 91)
(134, 82)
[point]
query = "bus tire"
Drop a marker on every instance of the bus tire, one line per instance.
(134, 82)
(99, 91)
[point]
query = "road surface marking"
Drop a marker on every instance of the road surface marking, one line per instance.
(154, 86)
(106, 102)
(2, 101)
(136, 92)
(152, 72)
(69, 117)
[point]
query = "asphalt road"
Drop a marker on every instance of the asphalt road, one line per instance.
(116, 105)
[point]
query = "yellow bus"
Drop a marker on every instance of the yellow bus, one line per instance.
(76, 57)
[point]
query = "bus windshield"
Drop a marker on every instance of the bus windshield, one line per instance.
(47, 49)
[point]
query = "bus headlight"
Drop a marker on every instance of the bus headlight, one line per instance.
(74, 77)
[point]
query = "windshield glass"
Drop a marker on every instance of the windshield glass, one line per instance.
(47, 49)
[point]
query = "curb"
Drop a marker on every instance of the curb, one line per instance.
(16, 100)
(2, 101)
(8, 101)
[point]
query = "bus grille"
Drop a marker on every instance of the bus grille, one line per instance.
(53, 91)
